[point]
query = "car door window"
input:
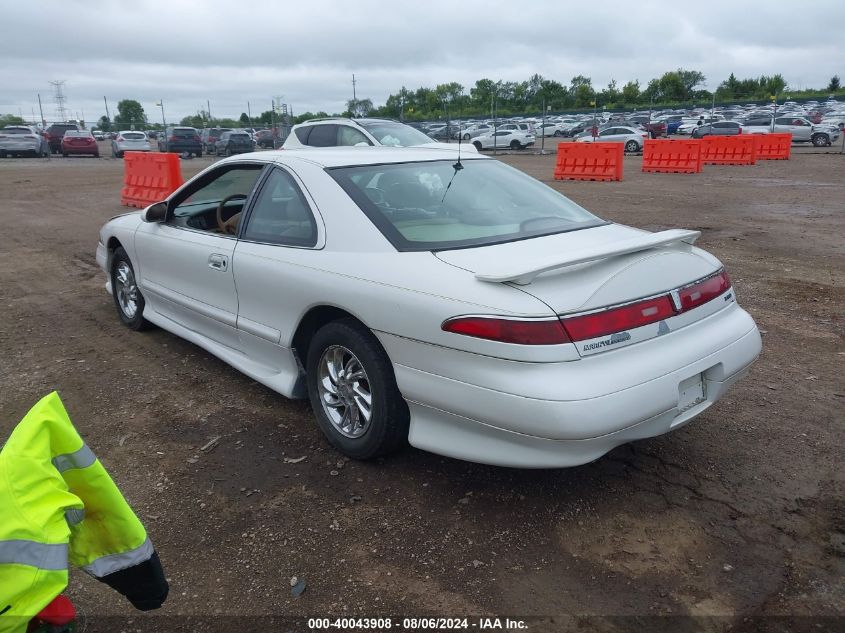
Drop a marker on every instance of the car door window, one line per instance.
(280, 214)
(351, 136)
(197, 207)
(323, 136)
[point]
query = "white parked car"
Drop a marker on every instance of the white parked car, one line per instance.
(130, 141)
(632, 138)
(503, 139)
(451, 302)
(22, 139)
(549, 128)
(342, 132)
(802, 130)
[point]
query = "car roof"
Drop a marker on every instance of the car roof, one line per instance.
(375, 155)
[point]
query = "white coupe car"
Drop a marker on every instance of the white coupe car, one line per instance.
(451, 302)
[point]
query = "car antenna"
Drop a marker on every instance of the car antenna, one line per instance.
(457, 166)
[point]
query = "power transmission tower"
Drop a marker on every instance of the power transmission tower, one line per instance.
(59, 98)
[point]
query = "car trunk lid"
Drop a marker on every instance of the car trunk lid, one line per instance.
(594, 269)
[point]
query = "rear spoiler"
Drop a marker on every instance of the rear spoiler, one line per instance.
(524, 272)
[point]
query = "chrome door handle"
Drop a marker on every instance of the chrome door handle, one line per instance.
(218, 262)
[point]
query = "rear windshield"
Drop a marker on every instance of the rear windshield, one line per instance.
(398, 134)
(184, 131)
(241, 136)
(432, 206)
(62, 128)
(134, 136)
(77, 133)
(15, 130)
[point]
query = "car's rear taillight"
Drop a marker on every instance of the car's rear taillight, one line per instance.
(172, 138)
(627, 317)
(119, 138)
(739, 130)
(704, 291)
(505, 330)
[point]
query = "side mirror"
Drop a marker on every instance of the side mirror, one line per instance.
(155, 213)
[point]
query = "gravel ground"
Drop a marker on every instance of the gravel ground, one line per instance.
(739, 514)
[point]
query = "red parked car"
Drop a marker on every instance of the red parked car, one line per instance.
(79, 142)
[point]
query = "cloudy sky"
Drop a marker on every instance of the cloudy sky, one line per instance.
(187, 52)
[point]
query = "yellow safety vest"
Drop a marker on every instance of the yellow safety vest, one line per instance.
(58, 504)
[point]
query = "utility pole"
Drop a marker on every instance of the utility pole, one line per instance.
(108, 116)
(208, 105)
(249, 114)
(41, 110)
(354, 95)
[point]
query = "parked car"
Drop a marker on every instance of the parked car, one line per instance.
(801, 129)
(264, 138)
(503, 139)
(79, 142)
(336, 131)
(532, 333)
(233, 142)
(181, 140)
(130, 141)
(210, 136)
(718, 128)
(21, 139)
(475, 130)
(56, 132)
(632, 138)
(549, 129)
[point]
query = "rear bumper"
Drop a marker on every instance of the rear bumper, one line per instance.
(80, 150)
(564, 414)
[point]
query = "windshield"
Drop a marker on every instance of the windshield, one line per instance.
(395, 134)
(134, 136)
(416, 208)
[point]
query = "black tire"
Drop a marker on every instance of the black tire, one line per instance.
(820, 140)
(515, 144)
(136, 321)
(477, 145)
(64, 155)
(228, 152)
(558, 133)
(199, 154)
(3, 154)
(631, 147)
(466, 137)
(388, 426)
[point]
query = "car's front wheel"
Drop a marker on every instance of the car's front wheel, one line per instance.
(631, 147)
(515, 144)
(353, 391)
(477, 145)
(124, 289)
(820, 140)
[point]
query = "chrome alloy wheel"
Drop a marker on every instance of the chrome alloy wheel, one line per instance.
(125, 290)
(345, 391)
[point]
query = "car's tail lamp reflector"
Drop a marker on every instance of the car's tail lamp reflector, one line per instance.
(593, 325)
(704, 291)
(625, 317)
(504, 330)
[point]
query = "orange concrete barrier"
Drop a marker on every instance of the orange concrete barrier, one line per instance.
(672, 156)
(728, 150)
(149, 177)
(773, 146)
(589, 161)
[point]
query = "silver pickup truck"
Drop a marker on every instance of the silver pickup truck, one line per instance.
(801, 129)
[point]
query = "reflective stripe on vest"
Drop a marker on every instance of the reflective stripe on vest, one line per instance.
(82, 458)
(49, 556)
(106, 565)
(74, 516)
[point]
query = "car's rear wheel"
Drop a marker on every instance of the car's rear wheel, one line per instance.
(631, 146)
(515, 144)
(353, 391)
(128, 299)
(558, 133)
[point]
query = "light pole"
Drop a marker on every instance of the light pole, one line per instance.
(774, 110)
(160, 104)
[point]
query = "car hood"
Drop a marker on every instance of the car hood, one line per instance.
(469, 147)
(651, 266)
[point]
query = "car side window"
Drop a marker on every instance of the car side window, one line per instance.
(197, 207)
(323, 136)
(350, 136)
(280, 214)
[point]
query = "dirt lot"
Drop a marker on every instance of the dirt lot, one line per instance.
(741, 513)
